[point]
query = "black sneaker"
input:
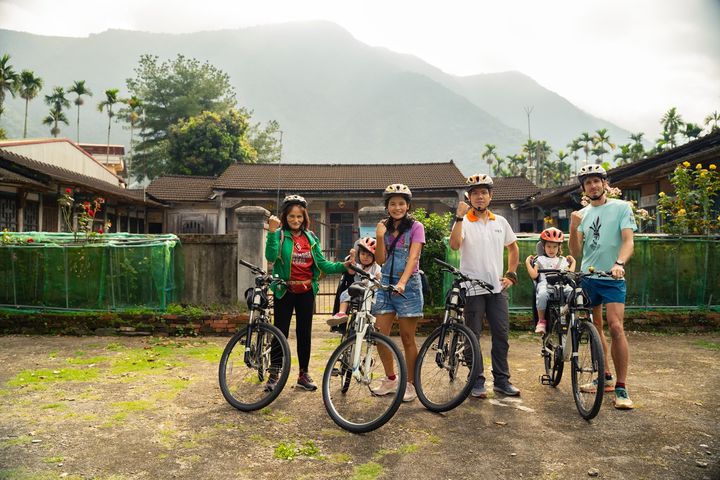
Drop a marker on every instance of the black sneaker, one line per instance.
(306, 383)
(271, 383)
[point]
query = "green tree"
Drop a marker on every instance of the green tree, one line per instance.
(691, 131)
(637, 149)
(574, 147)
(208, 143)
(172, 91)
(601, 139)
(111, 99)
(671, 122)
(30, 87)
(437, 227)
(57, 103)
(131, 114)
(586, 143)
(9, 80)
(265, 142)
(712, 121)
(489, 155)
(79, 89)
(54, 118)
(517, 164)
(624, 156)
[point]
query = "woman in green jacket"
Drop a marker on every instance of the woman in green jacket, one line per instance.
(297, 258)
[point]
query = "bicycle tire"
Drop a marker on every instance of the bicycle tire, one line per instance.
(590, 360)
(552, 352)
(439, 384)
(246, 389)
(338, 397)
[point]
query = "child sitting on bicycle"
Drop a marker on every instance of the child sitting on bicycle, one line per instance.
(366, 251)
(552, 240)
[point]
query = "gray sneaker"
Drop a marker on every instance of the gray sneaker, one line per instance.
(479, 390)
(507, 389)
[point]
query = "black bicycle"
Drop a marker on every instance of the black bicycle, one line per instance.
(448, 362)
(353, 374)
(255, 364)
(572, 337)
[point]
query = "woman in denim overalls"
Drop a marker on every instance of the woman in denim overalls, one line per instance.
(399, 244)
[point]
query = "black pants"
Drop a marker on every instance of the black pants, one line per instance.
(304, 305)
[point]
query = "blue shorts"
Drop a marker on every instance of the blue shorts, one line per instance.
(604, 291)
(412, 306)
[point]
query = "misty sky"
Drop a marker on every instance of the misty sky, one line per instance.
(625, 61)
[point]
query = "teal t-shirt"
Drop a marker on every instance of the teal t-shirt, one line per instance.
(602, 233)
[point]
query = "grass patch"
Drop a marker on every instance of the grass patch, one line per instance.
(115, 347)
(367, 471)
(133, 406)
(340, 457)
(45, 375)
(280, 417)
(54, 460)
(402, 450)
(86, 361)
(54, 405)
(290, 451)
(707, 344)
(15, 442)
(144, 361)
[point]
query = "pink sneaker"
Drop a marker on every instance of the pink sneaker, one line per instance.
(541, 326)
(386, 386)
(337, 319)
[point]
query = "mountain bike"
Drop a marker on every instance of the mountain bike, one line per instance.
(448, 362)
(572, 337)
(255, 364)
(355, 368)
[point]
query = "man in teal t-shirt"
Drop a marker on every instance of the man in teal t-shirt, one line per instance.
(604, 231)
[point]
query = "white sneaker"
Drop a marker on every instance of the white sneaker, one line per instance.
(386, 387)
(410, 394)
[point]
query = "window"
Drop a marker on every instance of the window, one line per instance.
(8, 214)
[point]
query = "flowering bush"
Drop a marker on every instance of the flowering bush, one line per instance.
(692, 209)
(86, 213)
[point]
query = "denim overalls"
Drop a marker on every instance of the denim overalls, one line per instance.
(386, 302)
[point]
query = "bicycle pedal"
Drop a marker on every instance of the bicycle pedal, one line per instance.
(545, 380)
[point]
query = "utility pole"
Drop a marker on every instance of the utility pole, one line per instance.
(531, 168)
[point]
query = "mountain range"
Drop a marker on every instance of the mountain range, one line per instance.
(337, 99)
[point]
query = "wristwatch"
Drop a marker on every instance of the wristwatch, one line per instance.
(618, 262)
(459, 219)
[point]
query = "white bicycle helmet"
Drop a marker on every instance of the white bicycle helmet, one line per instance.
(397, 189)
(591, 171)
(294, 200)
(479, 180)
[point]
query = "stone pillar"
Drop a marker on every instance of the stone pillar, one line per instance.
(370, 216)
(251, 222)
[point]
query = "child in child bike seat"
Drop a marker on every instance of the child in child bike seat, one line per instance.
(552, 240)
(366, 251)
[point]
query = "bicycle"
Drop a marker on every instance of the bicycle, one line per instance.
(352, 371)
(570, 322)
(255, 364)
(448, 362)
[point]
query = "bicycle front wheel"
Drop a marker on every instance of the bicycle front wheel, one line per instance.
(446, 368)
(348, 393)
(250, 378)
(588, 369)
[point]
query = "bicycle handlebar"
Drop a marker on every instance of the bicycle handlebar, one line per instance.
(269, 279)
(454, 271)
(357, 268)
(253, 268)
(576, 274)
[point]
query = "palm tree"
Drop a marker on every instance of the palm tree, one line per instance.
(624, 155)
(56, 116)
(132, 115)
(586, 142)
(78, 88)
(601, 139)
(111, 98)
(489, 155)
(691, 131)
(714, 119)
(30, 87)
(671, 123)
(574, 147)
(9, 80)
(57, 102)
(542, 154)
(637, 149)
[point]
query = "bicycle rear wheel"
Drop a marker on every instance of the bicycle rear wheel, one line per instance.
(552, 352)
(446, 371)
(588, 367)
(348, 395)
(246, 368)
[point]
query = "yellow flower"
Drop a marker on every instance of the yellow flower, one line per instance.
(698, 166)
(703, 173)
(686, 164)
(681, 212)
(712, 166)
(661, 194)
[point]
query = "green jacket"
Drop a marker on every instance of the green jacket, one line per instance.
(281, 266)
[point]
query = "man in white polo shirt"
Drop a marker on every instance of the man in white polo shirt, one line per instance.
(482, 236)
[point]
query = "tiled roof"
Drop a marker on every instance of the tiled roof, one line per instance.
(7, 176)
(45, 173)
(294, 177)
(507, 189)
(181, 188)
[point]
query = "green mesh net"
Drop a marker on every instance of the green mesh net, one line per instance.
(117, 271)
(663, 272)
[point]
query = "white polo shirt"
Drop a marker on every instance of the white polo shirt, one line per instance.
(482, 249)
